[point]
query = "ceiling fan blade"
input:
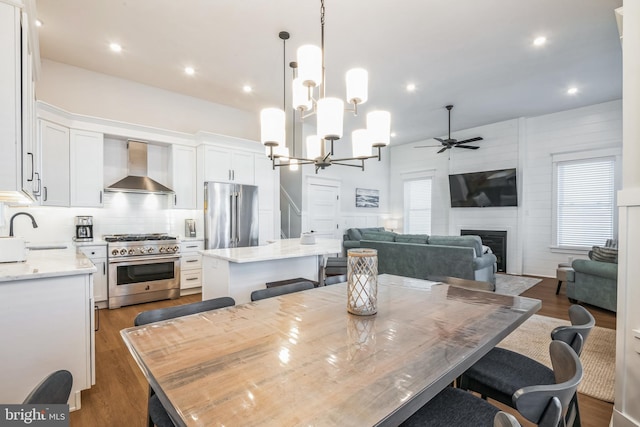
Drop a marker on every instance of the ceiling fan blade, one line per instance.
(471, 147)
(440, 139)
(427, 146)
(478, 138)
(442, 149)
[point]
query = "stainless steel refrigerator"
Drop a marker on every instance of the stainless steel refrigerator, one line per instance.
(230, 215)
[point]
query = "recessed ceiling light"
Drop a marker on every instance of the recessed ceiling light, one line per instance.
(247, 89)
(539, 41)
(38, 23)
(189, 71)
(572, 90)
(393, 134)
(411, 87)
(115, 47)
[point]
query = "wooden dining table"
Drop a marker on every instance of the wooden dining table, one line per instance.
(302, 360)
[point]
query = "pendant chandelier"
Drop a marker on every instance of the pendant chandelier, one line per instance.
(309, 74)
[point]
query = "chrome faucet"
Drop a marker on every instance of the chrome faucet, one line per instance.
(33, 221)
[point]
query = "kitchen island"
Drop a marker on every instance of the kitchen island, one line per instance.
(236, 272)
(46, 319)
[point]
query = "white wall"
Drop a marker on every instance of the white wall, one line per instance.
(89, 93)
(526, 144)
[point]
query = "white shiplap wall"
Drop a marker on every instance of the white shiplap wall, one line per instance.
(593, 127)
(526, 144)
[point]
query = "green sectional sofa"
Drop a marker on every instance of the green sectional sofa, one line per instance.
(594, 283)
(421, 256)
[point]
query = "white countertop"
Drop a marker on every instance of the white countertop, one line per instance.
(47, 263)
(280, 249)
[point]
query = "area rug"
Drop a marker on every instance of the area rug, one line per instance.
(514, 285)
(532, 338)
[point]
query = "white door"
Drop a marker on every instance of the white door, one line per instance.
(324, 210)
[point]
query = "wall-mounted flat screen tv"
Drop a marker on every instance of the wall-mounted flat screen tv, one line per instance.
(484, 189)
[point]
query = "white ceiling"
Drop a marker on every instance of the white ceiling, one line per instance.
(477, 55)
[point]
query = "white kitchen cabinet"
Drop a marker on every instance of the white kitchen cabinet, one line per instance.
(54, 153)
(190, 265)
(17, 174)
(47, 325)
(86, 165)
(98, 256)
(183, 176)
(228, 165)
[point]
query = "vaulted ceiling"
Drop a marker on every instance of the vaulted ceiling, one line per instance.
(477, 55)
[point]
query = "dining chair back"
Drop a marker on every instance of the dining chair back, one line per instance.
(54, 389)
(281, 290)
(165, 313)
(332, 280)
(156, 414)
(504, 419)
(582, 322)
(543, 405)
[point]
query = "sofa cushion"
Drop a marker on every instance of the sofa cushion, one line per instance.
(379, 236)
(606, 270)
(356, 233)
(470, 241)
(598, 253)
(412, 238)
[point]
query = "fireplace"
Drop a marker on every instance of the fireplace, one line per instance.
(497, 241)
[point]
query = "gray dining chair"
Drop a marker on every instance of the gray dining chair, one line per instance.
(332, 280)
(501, 372)
(543, 405)
(503, 419)
(54, 389)
(157, 415)
(281, 290)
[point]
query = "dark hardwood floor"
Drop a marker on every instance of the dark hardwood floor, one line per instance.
(119, 397)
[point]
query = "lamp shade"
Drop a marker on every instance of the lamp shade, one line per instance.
(293, 165)
(272, 125)
(282, 152)
(330, 116)
(300, 93)
(379, 125)
(314, 147)
(357, 80)
(361, 143)
(310, 65)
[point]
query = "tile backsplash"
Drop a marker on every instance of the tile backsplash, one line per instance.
(122, 213)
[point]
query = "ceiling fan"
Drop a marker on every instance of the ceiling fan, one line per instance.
(450, 142)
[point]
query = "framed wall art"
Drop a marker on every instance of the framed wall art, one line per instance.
(366, 198)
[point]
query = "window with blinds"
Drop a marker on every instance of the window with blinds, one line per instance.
(585, 205)
(417, 206)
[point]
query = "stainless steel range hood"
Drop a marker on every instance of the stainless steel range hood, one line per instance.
(137, 181)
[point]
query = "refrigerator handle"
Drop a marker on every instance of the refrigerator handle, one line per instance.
(238, 195)
(232, 237)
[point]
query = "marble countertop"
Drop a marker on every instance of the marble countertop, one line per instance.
(280, 249)
(94, 242)
(47, 263)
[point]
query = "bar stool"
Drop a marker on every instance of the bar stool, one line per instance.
(564, 272)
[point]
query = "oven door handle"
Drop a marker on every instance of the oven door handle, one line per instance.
(163, 258)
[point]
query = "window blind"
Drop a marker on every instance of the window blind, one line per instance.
(417, 206)
(585, 202)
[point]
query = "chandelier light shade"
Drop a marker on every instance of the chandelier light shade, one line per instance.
(301, 99)
(314, 147)
(272, 123)
(330, 118)
(379, 126)
(357, 80)
(308, 74)
(310, 65)
(361, 143)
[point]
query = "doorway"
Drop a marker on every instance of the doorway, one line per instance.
(323, 201)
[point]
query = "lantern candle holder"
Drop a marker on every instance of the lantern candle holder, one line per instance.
(362, 281)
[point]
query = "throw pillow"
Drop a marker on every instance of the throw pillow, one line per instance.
(486, 249)
(601, 254)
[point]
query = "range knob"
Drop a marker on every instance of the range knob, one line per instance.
(176, 248)
(123, 251)
(161, 249)
(114, 252)
(131, 251)
(150, 250)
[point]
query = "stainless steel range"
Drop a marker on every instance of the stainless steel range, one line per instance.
(142, 268)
